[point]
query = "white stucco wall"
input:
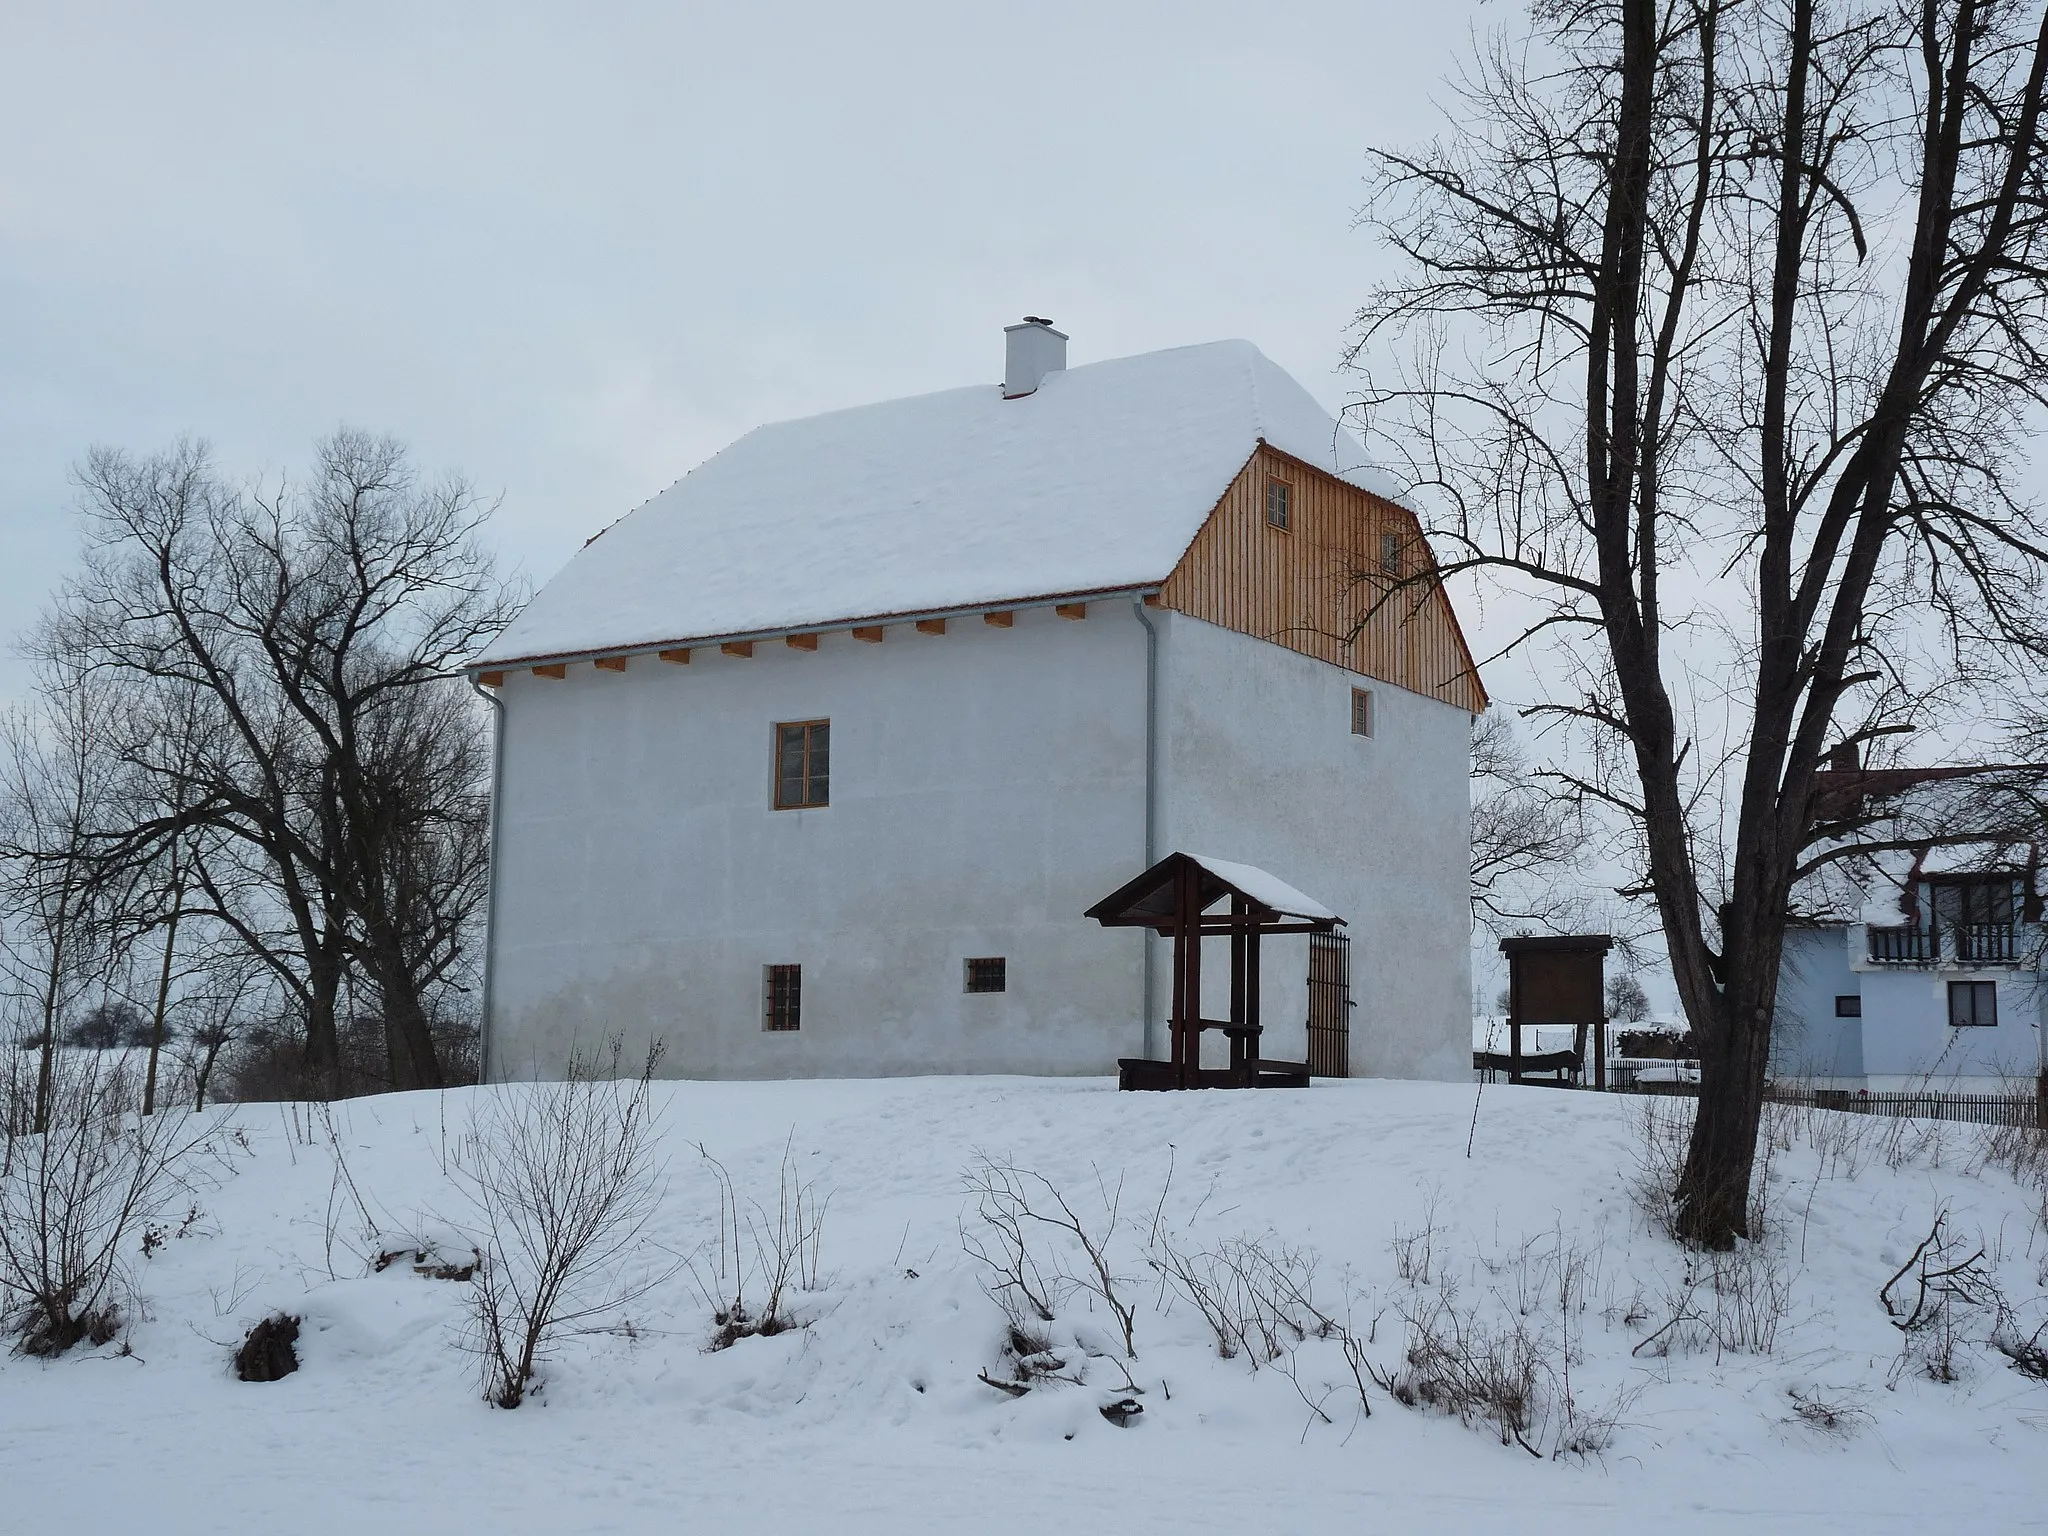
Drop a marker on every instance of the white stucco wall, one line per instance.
(1909, 1043)
(1903, 1040)
(987, 786)
(1808, 1041)
(1259, 765)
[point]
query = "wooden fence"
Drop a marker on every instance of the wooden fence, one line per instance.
(1970, 1108)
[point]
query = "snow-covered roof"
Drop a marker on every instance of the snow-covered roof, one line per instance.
(1269, 890)
(1098, 480)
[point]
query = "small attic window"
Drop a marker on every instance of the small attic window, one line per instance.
(1279, 505)
(1390, 553)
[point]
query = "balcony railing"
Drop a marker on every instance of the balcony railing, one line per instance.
(1987, 944)
(1905, 946)
(1956, 944)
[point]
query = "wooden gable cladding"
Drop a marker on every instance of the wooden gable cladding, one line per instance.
(1298, 586)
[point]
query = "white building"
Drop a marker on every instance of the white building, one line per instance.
(1935, 976)
(794, 754)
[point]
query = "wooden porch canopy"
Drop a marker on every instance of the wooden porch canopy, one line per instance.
(1173, 899)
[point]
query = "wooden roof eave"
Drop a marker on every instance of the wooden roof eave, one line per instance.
(822, 626)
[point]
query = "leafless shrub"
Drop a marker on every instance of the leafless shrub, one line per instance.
(2028, 1352)
(1260, 1301)
(73, 1196)
(1729, 1303)
(1415, 1251)
(2020, 1151)
(778, 1252)
(1663, 1129)
(1015, 1205)
(1932, 1298)
(562, 1179)
(1458, 1363)
(1835, 1414)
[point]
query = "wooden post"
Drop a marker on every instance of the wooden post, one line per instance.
(1600, 1056)
(1252, 990)
(1237, 980)
(1191, 907)
(1180, 980)
(1514, 1019)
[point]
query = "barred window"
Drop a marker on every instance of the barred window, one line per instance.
(785, 997)
(1279, 505)
(803, 764)
(1390, 553)
(990, 973)
(1361, 711)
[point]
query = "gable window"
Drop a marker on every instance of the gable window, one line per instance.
(1279, 505)
(1361, 711)
(1390, 553)
(1973, 1003)
(803, 764)
(784, 1009)
(990, 973)
(1849, 1006)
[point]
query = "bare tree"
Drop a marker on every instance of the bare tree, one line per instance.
(1721, 328)
(1526, 838)
(55, 773)
(333, 754)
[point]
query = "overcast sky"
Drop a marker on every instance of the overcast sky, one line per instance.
(573, 250)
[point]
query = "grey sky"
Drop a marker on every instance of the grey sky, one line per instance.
(574, 250)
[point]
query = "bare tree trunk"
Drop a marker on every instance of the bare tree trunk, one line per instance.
(161, 1007)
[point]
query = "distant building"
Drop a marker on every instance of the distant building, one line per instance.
(812, 764)
(1935, 975)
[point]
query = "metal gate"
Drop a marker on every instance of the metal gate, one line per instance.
(1329, 1005)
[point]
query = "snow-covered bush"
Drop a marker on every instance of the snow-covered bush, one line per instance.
(562, 1180)
(72, 1197)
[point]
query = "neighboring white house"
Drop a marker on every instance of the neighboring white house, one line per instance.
(812, 764)
(1936, 976)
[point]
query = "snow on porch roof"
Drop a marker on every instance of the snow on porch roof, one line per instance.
(1096, 481)
(1148, 899)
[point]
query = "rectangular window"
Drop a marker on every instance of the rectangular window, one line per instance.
(991, 973)
(1279, 505)
(1969, 902)
(1973, 1003)
(803, 764)
(785, 997)
(1849, 1006)
(1361, 711)
(1390, 553)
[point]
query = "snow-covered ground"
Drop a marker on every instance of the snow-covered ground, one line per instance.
(872, 1419)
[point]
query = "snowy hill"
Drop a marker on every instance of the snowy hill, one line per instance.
(1653, 1402)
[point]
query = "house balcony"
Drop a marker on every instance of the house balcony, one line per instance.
(1959, 946)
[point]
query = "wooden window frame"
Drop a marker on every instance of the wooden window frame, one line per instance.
(1978, 990)
(782, 999)
(973, 981)
(1362, 712)
(808, 777)
(1280, 496)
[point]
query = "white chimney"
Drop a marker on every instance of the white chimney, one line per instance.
(1030, 352)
